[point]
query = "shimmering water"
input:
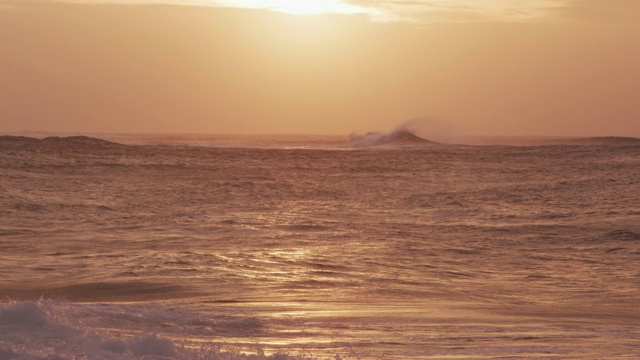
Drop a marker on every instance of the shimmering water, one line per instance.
(405, 252)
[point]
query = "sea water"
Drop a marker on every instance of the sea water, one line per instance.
(186, 250)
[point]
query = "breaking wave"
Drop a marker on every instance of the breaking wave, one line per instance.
(399, 138)
(412, 133)
(48, 329)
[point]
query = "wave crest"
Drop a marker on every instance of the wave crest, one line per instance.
(401, 138)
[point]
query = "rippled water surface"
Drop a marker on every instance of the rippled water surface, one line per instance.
(414, 252)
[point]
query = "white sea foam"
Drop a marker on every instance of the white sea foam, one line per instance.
(27, 315)
(47, 329)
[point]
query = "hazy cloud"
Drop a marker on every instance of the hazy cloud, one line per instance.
(462, 10)
(618, 10)
(419, 11)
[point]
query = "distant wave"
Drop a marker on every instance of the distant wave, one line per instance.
(405, 136)
(604, 140)
(398, 138)
(72, 142)
(587, 141)
(78, 141)
(17, 140)
(545, 141)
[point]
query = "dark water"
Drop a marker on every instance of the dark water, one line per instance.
(400, 252)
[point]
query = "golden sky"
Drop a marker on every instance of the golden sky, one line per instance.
(473, 67)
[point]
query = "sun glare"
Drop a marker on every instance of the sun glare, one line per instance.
(426, 11)
(310, 7)
(301, 7)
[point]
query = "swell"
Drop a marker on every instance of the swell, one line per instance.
(125, 291)
(604, 140)
(401, 137)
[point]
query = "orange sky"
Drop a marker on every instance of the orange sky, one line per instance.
(483, 67)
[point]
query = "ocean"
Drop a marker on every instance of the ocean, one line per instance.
(317, 248)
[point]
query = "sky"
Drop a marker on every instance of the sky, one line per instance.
(469, 67)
